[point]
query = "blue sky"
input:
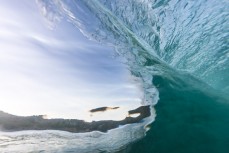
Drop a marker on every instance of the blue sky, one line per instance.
(58, 71)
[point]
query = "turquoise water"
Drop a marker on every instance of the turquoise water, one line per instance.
(188, 121)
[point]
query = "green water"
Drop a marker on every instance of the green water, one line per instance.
(188, 121)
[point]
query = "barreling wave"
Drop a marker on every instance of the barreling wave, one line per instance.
(182, 41)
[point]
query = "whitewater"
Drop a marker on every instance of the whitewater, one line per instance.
(177, 50)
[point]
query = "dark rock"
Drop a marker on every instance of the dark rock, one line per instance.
(10, 122)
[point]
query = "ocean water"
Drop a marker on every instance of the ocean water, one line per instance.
(178, 50)
(187, 121)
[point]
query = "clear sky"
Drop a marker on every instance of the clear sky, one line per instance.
(57, 72)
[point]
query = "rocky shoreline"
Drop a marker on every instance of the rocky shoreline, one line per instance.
(10, 123)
